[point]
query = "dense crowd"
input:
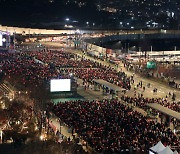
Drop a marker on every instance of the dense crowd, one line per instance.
(142, 102)
(109, 126)
(83, 68)
(25, 70)
(103, 72)
(33, 68)
(63, 59)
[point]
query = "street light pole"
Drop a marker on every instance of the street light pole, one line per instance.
(14, 39)
(29, 34)
(151, 48)
(175, 48)
(128, 47)
(139, 53)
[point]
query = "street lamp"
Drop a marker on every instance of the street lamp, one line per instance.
(67, 19)
(151, 49)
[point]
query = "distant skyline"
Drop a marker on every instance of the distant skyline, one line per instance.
(117, 14)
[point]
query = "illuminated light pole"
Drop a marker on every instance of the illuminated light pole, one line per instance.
(151, 48)
(128, 47)
(66, 21)
(151, 51)
(29, 33)
(139, 53)
(87, 23)
(14, 38)
(6, 39)
(93, 24)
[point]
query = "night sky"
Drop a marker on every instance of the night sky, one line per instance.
(98, 13)
(25, 12)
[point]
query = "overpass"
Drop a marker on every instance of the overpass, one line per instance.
(143, 42)
(31, 31)
(133, 37)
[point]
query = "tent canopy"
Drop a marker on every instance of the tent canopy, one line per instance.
(108, 85)
(158, 147)
(167, 150)
(165, 110)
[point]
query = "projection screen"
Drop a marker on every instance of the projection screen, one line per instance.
(57, 85)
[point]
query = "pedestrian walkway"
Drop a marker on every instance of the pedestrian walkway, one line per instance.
(162, 88)
(89, 93)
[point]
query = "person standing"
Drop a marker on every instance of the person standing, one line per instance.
(173, 96)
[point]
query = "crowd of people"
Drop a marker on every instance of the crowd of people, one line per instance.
(142, 102)
(105, 73)
(33, 68)
(23, 69)
(109, 126)
(63, 59)
(83, 68)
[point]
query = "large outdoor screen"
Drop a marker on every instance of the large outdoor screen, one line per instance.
(57, 85)
(1, 42)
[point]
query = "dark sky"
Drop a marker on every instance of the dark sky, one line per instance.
(52, 13)
(25, 12)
